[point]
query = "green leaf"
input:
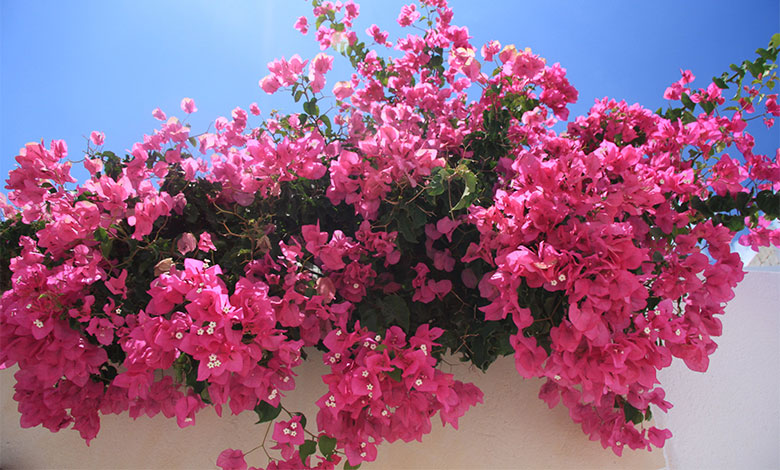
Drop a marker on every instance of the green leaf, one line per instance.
(303, 418)
(326, 120)
(307, 448)
(718, 203)
(701, 206)
(394, 309)
(101, 234)
(742, 200)
(310, 107)
(469, 192)
(735, 223)
(687, 102)
(105, 248)
(754, 68)
(436, 185)
(632, 414)
(775, 41)
(765, 54)
(769, 203)
(347, 466)
(720, 83)
(327, 445)
(266, 412)
(395, 374)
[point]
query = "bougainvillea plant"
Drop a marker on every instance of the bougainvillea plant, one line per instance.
(432, 210)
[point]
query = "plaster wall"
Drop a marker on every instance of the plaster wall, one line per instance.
(729, 417)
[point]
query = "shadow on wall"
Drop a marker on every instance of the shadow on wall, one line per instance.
(727, 418)
(512, 429)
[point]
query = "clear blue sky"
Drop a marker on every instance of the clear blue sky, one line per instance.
(70, 67)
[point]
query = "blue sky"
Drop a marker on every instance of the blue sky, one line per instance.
(70, 67)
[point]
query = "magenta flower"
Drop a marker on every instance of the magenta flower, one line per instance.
(231, 459)
(97, 138)
(159, 114)
(186, 243)
(188, 105)
(302, 25)
(289, 432)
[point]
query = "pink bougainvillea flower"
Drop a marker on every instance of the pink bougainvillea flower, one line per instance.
(116, 285)
(254, 109)
(231, 459)
(270, 83)
(159, 114)
(97, 138)
(188, 105)
(302, 25)
(93, 165)
(186, 243)
(205, 243)
(408, 15)
(289, 432)
(342, 90)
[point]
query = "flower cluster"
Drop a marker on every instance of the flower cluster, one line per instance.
(435, 211)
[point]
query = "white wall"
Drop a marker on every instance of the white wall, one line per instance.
(727, 418)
